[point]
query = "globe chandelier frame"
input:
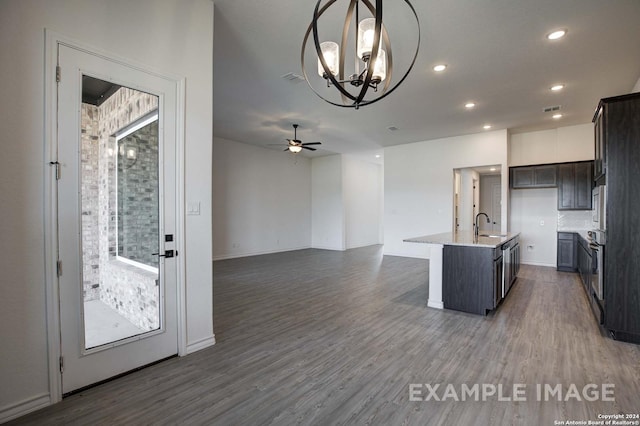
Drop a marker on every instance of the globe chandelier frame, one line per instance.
(372, 75)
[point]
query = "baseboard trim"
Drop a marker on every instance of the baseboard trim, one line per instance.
(257, 253)
(19, 409)
(412, 256)
(435, 304)
(198, 345)
(550, 265)
(328, 248)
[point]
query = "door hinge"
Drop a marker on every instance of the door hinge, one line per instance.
(57, 166)
(61, 362)
(59, 268)
(58, 73)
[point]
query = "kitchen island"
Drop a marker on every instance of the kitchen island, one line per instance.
(468, 273)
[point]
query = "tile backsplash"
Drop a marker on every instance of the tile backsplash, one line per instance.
(574, 219)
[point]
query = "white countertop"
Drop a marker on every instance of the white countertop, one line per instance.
(463, 238)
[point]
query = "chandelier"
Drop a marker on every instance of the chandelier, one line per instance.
(370, 44)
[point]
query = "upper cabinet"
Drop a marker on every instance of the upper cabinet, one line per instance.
(575, 182)
(600, 164)
(533, 177)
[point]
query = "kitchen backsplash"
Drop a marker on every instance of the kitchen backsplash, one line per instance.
(574, 219)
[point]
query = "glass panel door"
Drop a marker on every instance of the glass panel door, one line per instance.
(116, 214)
(120, 212)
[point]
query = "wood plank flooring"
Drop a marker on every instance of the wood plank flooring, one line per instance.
(322, 337)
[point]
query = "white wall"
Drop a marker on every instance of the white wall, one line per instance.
(636, 88)
(529, 206)
(173, 37)
(564, 144)
(261, 200)
(362, 185)
(534, 214)
(418, 185)
(327, 204)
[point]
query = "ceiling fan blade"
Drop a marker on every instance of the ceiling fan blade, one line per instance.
(312, 143)
(310, 149)
(286, 149)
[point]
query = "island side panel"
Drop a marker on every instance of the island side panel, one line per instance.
(435, 276)
(467, 279)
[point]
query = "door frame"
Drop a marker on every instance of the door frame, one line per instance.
(52, 40)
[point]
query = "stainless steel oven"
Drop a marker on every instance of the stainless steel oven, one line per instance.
(597, 275)
(597, 244)
(599, 198)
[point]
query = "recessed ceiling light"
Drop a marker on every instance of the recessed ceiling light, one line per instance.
(486, 126)
(556, 34)
(557, 87)
(377, 155)
(392, 128)
(469, 105)
(493, 169)
(557, 116)
(440, 68)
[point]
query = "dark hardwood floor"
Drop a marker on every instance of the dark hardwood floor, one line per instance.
(322, 337)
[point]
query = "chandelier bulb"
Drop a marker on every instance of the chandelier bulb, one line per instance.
(352, 87)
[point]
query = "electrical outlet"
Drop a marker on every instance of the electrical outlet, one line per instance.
(542, 223)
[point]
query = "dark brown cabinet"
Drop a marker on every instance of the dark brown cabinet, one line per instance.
(566, 261)
(533, 177)
(470, 278)
(575, 182)
(473, 277)
(600, 163)
(621, 141)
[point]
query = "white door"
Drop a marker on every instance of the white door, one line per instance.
(116, 217)
(496, 207)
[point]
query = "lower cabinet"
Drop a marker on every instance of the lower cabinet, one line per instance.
(474, 278)
(498, 277)
(567, 252)
(515, 260)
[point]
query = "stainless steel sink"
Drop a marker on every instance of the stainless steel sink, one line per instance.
(493, 235)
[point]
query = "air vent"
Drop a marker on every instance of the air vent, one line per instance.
(392, 128)
(293, 78)
(551, 108)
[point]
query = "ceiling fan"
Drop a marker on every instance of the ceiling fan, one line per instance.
(295, 145)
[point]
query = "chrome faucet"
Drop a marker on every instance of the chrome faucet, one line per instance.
(477, 228)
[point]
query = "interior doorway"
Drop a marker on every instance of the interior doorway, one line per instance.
(491, 201)
(477, 190)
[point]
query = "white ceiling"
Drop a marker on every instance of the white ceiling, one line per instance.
(497, 56)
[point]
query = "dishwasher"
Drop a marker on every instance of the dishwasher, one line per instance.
(507, 270)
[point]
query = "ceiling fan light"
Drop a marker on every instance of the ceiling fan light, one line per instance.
(331, 54)
(295, 148)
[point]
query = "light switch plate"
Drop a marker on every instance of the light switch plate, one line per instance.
(193, 208)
